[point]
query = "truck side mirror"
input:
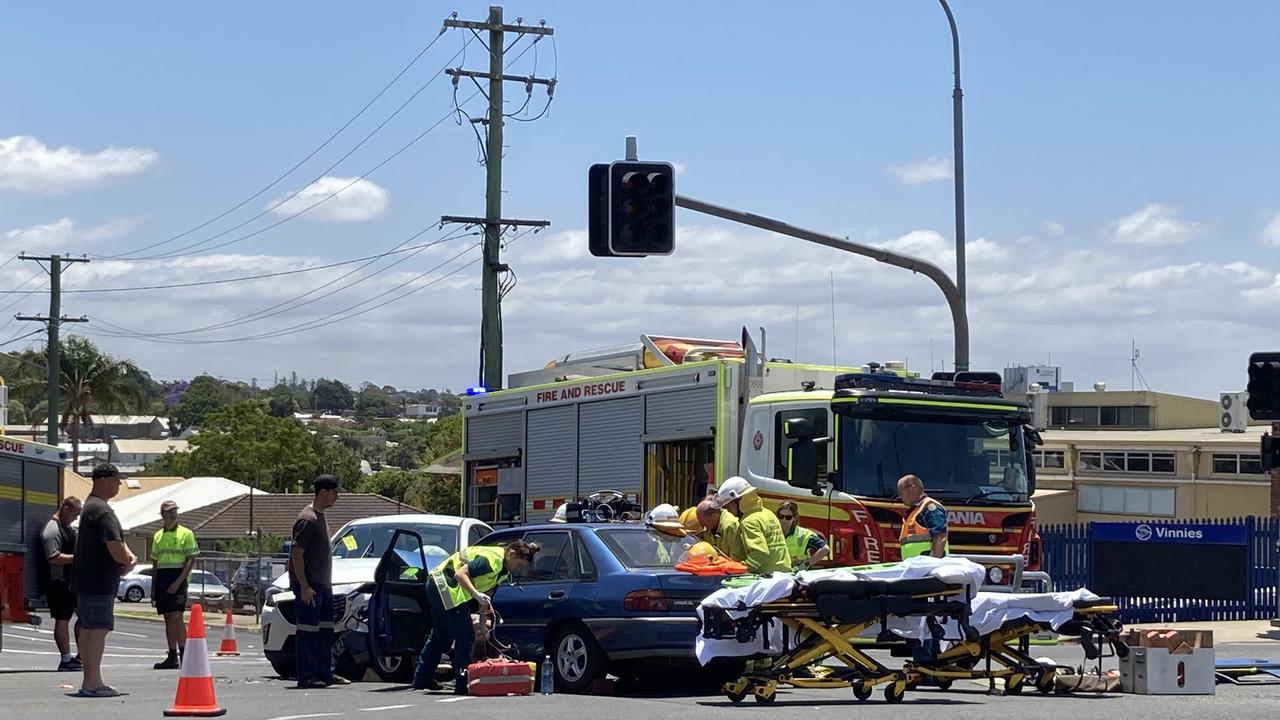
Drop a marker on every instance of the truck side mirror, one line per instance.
(802, 464)
(798, 429)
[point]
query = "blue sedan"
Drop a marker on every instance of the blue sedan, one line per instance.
(598, 598)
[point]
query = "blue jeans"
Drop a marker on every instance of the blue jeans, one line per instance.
(448, 628)
(314, 641)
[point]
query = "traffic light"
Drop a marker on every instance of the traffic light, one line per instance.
(631, 209)
(1264, 386)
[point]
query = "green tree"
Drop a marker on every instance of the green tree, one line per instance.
(248, 546)
(444, 436)
(205, 394)
(282, 403)
(389, 483)
(439, 494)
(91, 382)
(243, 443)
(336, 459)
(372, 402)
(332, 395)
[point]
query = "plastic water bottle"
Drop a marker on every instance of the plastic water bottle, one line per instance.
(548, 676)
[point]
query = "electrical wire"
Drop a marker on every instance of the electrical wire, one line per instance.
(297, 165)
(246, 278)
(294, 303)
(21, 336)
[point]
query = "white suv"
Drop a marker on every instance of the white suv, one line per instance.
(357, 548)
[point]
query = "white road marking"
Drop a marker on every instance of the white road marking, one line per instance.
(300, 717)
(31, 628)
(55, 652)
(456, 699)
(128, 634)
(385, 707)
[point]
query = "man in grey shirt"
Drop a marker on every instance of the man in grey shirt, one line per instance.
(58, 547)
(101, 557)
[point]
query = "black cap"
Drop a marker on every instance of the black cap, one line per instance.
(106, 470)
(326, 482)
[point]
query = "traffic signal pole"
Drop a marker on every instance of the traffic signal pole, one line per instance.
(959, 316)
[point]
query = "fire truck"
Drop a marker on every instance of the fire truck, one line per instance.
(30, 490)
(665, 419)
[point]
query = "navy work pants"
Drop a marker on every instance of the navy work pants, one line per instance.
(448, 628)
(314, 641)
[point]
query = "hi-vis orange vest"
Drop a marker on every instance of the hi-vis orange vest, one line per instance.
(914, 538)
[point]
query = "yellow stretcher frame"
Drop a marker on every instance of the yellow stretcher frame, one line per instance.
(819, 643)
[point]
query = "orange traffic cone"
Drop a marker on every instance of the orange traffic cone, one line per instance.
(195, 682)
(228, 646)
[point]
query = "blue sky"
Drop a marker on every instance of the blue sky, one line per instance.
(1122, 171)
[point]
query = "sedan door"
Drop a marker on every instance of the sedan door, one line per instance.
(540, 595)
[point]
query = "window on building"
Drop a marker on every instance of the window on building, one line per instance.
(1115, 500)
(1050, 459)
(1236, 464)
(1101, 416)
(1126, 462)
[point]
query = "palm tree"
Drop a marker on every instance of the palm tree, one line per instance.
(92, 381)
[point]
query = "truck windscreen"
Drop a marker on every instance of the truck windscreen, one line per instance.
(959, 459)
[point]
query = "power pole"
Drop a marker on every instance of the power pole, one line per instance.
(491, 320)
(54, 322)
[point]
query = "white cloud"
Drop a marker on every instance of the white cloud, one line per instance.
(28, 165)
(1271, 233)
(1054, 229)
(681, 168)
(340, 200)
(63, 235)
(921, 171)
(1153, 226)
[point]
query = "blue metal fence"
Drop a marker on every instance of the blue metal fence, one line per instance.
(1068, 558)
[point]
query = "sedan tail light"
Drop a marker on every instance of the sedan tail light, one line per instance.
(645, 601)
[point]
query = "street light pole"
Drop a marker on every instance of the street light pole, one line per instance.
(957, 116)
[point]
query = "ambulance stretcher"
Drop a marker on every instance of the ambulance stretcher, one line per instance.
(798, 626)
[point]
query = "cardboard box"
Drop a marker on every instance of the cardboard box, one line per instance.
(1169, 662)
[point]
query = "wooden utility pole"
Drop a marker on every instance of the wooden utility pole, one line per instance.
(54, 322)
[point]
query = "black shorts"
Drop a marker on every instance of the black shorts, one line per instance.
(171, 602)
(62, 601)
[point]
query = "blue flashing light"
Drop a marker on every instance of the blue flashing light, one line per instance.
(477, 390)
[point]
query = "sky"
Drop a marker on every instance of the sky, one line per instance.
(1122, 174)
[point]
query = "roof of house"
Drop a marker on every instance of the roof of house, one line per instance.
(1140, 438)
(190, 494)
(275, 514)
(149, 447)
(80, 486)
(124, 419)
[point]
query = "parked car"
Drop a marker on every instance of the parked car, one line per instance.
(598, 598)
(136, 585)
(357, 548)
(250, 581)
(205, 588)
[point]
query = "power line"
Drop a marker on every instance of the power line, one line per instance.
(297, 165)
(293, 303)
(246, 278)
(21, 336)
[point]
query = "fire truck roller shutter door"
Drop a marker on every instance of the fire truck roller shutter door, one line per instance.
(550, 460)
(687, 413)
(42, 501)
(610, 454)
(11, 505)
(496, 434)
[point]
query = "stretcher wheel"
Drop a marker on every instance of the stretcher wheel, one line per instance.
(894, 692)
(861, 691)
(1014, 687)
(765, 697)
(1045, 683)
(943, 683)
(736, 697)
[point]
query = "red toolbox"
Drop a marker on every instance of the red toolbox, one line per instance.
(500, 676)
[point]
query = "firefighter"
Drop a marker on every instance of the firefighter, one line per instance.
(924, 530)
(805, 546)
(720, 528)
(464, 577)
(765, 547)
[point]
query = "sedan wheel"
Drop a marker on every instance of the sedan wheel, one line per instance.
(133, 594)
(577, 659)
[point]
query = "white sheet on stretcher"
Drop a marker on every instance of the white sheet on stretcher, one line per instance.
(953, 570)
(992, 610)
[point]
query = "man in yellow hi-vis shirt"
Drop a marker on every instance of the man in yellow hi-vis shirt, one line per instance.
(173, 552)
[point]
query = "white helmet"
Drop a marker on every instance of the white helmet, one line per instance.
(562, 515)
(732, 489)
(664, 513)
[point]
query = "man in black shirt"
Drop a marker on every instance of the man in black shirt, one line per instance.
(101, 557)
(58, 546)
(310, 572)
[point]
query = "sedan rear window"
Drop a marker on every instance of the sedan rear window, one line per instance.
(645, 548)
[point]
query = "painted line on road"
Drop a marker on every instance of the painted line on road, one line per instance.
(55, 652)
(128, 634)
(386, 707)
(30, 628)
(456, 699)
(300, 717)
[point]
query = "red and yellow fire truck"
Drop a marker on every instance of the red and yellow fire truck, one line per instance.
(667, 418)
(30, 490)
